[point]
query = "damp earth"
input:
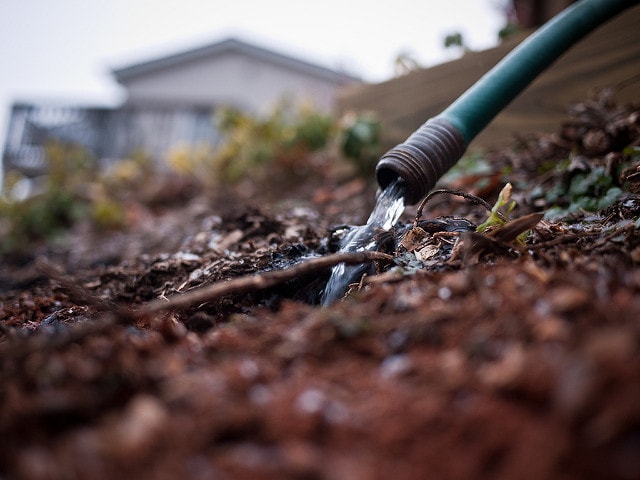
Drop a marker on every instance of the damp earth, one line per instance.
(508, 353)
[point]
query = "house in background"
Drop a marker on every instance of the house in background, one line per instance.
(231, 73)
(170, 102)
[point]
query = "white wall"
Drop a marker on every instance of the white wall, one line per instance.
(230, 79)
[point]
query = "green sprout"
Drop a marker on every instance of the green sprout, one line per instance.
(500, 211)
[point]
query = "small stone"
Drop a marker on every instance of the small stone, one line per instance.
(395, 366)
(311, 401)
(249, 369)
(444, 293)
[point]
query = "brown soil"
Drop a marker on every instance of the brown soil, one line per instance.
(487, 359)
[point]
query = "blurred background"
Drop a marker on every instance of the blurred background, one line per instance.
(64, 51)
(66, 48)
(108, 105)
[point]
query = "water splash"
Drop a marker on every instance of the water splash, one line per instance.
(389, 206)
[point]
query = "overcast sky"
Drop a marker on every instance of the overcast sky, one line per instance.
(64, 50)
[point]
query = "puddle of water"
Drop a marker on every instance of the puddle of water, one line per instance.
(389, 206)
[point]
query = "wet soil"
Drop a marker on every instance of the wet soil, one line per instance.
(467, 356)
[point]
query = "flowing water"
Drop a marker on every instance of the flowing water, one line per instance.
(389, 206)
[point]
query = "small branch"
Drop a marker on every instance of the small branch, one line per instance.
(193, 298)
(609, 237)
(258, 281)
(472, 198)
(563, 238)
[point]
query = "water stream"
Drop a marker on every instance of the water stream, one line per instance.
(389, 206)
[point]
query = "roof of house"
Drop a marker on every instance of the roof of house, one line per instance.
(226, 46)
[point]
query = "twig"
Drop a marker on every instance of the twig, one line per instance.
(472, 198)
(568, 237)
(259, 281)
(609, 237)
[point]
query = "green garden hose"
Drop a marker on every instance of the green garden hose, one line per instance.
(440, 142)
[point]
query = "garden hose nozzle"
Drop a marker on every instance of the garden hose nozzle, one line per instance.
(439, 143)
(422, 159)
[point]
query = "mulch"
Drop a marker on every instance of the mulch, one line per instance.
(205, 355)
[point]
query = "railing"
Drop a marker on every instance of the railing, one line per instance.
(106, 134)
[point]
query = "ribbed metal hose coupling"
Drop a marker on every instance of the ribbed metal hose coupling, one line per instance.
(422, 159)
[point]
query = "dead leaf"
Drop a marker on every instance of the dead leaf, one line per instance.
(413, 239)
(509, 231)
